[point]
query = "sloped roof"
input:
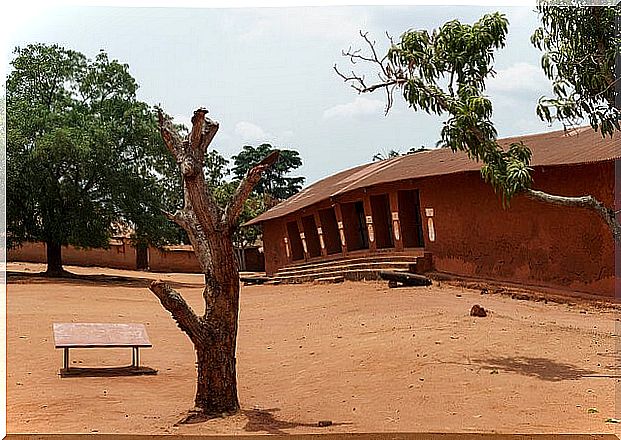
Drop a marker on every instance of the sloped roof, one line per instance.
(578, 146)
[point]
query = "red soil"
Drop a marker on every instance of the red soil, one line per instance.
(366, 357)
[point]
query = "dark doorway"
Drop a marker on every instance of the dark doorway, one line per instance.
(311, 236)
(410, 219)
(354, 225)
(330, 229)
(382, 221)
(295, 242)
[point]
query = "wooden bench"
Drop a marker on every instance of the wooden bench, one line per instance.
(89, 335)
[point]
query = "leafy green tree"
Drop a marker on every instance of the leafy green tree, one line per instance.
(216, 168)
(274, 182)
(83, 154)
(579, 45)
(444, 72)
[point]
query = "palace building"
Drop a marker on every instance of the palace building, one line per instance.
(433, 209)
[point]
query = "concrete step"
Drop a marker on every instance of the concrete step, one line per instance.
(354, 260)
(352, 275)
(329, 280)
(342, 265)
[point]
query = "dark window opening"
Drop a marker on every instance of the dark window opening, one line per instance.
(382, 221)
(354, 225)
(410, 219)
(295, 242)
(330, 230)
(311, 236)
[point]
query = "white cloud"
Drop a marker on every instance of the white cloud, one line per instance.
(250, 132)
(312, 22)
(519, 78)
(357, 108)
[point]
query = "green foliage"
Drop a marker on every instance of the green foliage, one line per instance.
(274, 182)
(508, 171)
(579, 45)
(216, 168)
(444, 73)
(83, 155)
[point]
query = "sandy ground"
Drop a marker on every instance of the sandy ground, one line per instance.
(369, 358)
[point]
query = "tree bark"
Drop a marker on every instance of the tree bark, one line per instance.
(54, 259)
(142, 255)
(587, 202)
(214, 334)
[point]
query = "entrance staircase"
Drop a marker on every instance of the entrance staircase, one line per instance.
(353, 268)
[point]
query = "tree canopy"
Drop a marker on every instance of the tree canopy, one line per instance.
(84, 156)
(274, 183)
(579, 45)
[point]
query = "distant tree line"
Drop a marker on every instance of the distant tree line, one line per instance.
(85, 159)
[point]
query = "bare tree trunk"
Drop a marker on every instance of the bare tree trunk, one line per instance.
(142, 255)
(214, 334)
(54, 259)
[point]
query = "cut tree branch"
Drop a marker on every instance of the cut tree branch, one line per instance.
(181, 312)
(203, 131)
(171, 139)
(588, 202)
(236, 205)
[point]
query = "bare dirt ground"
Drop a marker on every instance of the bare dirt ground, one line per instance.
(368, 358)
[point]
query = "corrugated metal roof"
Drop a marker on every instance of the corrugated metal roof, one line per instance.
(578, 146)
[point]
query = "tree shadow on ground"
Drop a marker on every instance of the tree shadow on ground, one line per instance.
(540, 368)
(263, 420)
(94, 279)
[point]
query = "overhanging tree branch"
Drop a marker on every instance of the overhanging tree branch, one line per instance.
(417, 64)
(587, 202)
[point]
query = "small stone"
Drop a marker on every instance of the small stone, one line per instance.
(324, 423)
(478, 311)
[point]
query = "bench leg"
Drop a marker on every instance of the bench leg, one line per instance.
(66, 358)
(135, 357)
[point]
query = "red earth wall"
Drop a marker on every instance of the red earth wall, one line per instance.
(117, 256)
(530, 242)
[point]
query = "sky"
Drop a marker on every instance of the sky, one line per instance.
(266, 74)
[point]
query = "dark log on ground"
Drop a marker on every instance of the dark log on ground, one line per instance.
(404, 278)
(249, 280)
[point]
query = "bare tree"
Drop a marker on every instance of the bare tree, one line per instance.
(210, 230)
